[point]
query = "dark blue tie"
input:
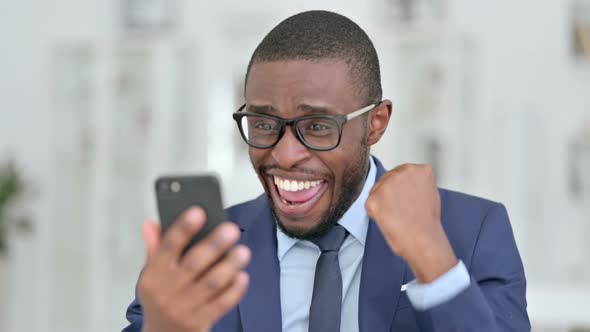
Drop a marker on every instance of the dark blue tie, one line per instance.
(326, 302)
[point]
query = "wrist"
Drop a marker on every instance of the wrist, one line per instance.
(432, 261)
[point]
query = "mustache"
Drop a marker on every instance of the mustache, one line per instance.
(265, 169)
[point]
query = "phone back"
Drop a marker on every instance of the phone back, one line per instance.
(175, 194)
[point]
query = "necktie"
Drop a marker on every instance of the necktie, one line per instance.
(326, 302)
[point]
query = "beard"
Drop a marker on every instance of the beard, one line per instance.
(353, 180)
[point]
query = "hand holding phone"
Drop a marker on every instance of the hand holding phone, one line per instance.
(190, 291)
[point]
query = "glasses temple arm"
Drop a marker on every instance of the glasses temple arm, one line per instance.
(363, 110)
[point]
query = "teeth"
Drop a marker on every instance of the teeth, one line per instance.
(292, 185)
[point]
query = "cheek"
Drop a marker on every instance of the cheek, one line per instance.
(351, 146)
(257, 160)
(336, 161)
(347, 158)
(353, 134)
(256, 157)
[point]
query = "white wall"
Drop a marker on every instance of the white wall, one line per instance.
(30, 30)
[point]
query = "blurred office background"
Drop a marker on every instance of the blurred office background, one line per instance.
(100, 96)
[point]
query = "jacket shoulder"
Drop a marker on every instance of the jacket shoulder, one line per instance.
(242, 213)
(463, 217)
(453, 199)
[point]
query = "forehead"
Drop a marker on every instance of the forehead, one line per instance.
(287, 84)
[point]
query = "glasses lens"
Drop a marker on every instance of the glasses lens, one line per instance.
(259, 130)
(321, 133)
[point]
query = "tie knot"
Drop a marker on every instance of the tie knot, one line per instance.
(333, 240)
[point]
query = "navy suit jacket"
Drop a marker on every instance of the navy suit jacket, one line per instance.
(479, 232)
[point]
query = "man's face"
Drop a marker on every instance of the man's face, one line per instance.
(322, 184)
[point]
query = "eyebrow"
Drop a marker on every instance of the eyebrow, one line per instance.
(269, 109)
(262, 109)
(314, 109)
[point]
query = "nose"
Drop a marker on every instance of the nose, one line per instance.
(289, 151)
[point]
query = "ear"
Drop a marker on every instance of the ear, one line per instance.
(378, 121)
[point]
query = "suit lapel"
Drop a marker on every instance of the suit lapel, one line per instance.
(260, 309)
(381, 279)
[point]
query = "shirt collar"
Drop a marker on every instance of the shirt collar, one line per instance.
(355, 220)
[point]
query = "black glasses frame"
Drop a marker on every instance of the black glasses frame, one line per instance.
(283, 123)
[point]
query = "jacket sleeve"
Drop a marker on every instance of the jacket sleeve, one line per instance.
(134, 316)
(496, 297)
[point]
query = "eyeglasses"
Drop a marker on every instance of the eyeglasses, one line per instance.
(317, 132)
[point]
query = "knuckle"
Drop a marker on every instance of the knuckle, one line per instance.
(146, 284)
(393, 174)
(191, 263)
(185, 227)
(194, 265)
(223, 274)
(370, 205)
(212, 283)
(404, 167)
(168, 243)
(180, 231)
(215, 240)
(215, 243)
(220, 240)
(219, 275)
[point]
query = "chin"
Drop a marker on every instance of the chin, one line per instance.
(304, 229)
(297, 229)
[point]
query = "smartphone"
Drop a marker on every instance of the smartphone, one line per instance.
(175, 194)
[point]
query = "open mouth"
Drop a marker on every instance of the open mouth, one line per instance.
(295, 198)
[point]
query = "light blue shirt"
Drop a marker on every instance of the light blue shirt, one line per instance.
(298, 261)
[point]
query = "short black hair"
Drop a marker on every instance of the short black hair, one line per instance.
(319, 34)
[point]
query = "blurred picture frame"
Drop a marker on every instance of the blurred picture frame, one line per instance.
(149, 15)
(413, 12)
(581, 29)
(579, 164)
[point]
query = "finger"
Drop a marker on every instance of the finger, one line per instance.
(371, 208)
(405, 166)
(384, 179)
(204, 254)
(181, 232)
(222, 274)
(430, 173)
(214, 282)
(151, 237)
(377, 185)
(228, 299)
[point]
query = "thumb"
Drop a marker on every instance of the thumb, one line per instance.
(151, 236)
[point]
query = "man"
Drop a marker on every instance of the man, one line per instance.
(337, 243)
